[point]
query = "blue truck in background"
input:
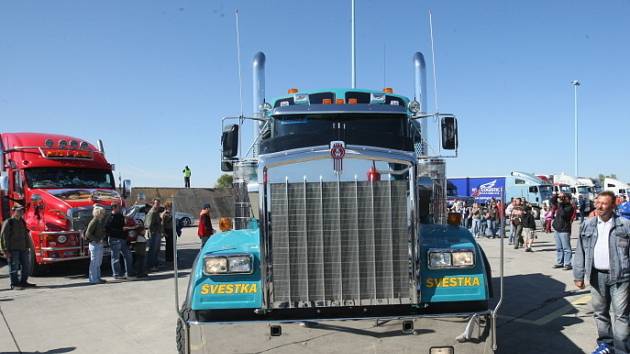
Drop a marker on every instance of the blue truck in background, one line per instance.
(515, 185)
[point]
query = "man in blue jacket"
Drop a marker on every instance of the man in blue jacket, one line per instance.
(602, 259)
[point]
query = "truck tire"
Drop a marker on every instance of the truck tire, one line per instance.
(180, 332)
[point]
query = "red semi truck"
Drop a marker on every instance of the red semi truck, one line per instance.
(58, 179)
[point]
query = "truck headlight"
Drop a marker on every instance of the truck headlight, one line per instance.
(451, 258)
(240, 264)
(215, 265)
(463, 259)
(440, 260)
(228, 264)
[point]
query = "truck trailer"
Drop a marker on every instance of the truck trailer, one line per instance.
(57, 179)
(340, 215)
(515, 185)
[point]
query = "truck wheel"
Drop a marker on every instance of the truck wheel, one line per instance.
(180, 332)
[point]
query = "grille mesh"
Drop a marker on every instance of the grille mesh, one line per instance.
(339, 243)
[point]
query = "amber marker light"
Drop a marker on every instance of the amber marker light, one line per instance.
(292, 91)
(327, 101)
(340, 101)
(388, 90)
(352, 101)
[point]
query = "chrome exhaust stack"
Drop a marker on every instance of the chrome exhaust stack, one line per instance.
(258, 66)
(420, 79)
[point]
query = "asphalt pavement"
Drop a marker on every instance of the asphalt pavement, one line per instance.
(542, 312)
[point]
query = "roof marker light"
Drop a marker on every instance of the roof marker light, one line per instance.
(49, 143)
(292, 91)
(388, 90)
(340, 101)
(352, 101)
(63, 144)
(327, 101)
(84, 145)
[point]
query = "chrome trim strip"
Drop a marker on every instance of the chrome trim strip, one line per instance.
(59, 232)
(64, 259)
(340, 109)
(414, 244)
(59, 248)
(323, 152)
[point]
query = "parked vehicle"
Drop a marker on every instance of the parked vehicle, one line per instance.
(301, 251)
(137, 212)
(515, 185)
(58, 179)
(616, 186)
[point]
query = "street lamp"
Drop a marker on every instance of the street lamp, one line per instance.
(575, 84)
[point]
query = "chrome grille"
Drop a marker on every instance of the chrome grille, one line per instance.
(339, 243)
(81, 217)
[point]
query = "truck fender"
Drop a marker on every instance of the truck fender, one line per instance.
(486, 264)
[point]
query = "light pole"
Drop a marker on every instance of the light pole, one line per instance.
(575, 84)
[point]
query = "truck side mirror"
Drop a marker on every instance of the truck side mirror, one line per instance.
(229, 141)
(126, 188)
(449, 133)
(4, 183)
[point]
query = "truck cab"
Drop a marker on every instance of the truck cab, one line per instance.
(333, 220)
(57, 179)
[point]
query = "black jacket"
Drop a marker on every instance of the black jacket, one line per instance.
(114, 226)
(528, 220)
(564, 213)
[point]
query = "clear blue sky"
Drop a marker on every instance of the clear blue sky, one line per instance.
(153, 78)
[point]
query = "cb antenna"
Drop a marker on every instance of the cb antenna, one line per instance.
(354, 50)
(240, 80)
(435, 91)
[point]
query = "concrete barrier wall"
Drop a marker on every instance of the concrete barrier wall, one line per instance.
(189, 200)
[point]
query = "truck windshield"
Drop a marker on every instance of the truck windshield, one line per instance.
(380, 130)
(583, 189)
(46, 177)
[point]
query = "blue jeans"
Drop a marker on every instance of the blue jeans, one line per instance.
(604, 296)
(155, 241)
(476, 225)
(117, 247)
(96, 259)
(19, 262)
(563, 248)
(490, 228)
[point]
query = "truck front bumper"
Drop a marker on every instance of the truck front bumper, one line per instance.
(347, 334)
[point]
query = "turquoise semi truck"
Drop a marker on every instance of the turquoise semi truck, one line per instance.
(340, 215)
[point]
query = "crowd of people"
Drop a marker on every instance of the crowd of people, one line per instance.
(602, 253)
(107, 229)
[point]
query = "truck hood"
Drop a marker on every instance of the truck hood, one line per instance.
(72, 198)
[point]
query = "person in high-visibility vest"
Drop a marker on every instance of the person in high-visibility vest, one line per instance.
(187, 174)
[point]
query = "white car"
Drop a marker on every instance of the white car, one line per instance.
(139, 211)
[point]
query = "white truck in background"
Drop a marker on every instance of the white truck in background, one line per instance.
(616, 186)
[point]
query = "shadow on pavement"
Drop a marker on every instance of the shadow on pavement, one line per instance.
(531, 323)
(52, 351)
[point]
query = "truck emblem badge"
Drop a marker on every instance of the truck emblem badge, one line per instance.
(337, 152)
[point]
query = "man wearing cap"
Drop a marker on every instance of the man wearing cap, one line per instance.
(205, 230)
(14, 241)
